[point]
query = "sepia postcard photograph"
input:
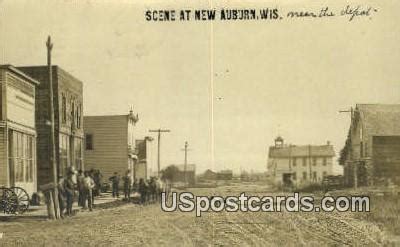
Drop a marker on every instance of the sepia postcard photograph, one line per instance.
(199, 123)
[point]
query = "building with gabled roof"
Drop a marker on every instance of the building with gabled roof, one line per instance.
(299, 165)
(372, 150)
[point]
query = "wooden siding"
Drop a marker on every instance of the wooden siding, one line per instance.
(110, 144)
(3, 157)
(386, 156)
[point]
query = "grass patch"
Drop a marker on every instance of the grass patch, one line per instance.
(385, 211)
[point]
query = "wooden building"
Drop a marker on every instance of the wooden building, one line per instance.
(302, 164)
(372, 151)
(145, 158)
(17, 129)
(190, 174)
(225, 175)
(110, 143)
(68, 108)
(209, 175)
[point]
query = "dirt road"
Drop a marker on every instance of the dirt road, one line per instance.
(132, 225)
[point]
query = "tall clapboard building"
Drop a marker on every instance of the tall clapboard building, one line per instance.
(68, 117)
(110, 143)
(17, 129)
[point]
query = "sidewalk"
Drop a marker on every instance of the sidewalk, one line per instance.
(105, 200)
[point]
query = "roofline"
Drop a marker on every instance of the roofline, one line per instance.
(20, 73)
(107, 115)
(55, 66)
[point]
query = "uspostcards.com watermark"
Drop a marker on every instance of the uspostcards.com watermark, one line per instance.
(187, 202)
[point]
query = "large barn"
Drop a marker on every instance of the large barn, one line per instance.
(372, 151)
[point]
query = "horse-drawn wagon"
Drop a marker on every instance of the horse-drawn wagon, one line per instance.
(13, 200)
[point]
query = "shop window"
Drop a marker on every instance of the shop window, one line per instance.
(21, 157)
(63, 154)
(78, 154)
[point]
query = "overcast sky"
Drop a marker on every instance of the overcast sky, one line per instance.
(267, 78)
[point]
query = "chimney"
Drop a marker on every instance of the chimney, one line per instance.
(328, 143)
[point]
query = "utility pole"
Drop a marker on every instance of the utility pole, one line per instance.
(185, 149)
(355, 167)
(53, 161)
(159, 131)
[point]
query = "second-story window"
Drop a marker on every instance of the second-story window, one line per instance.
(304, 161)
(294, 162)
(324, 161)
(64, 108)
(78, 116)
(314, 161)
(89, 142)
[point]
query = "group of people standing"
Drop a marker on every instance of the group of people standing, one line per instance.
(149, 190)
(85, 184)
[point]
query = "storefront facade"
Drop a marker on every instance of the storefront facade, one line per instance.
(17, 129)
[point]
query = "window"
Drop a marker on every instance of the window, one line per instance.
(361, 150)
(294, 176)
(89, 141)
(314, 176)
(64, 151)
(72, 113)
(304, 175)
(324, 174)
(324, 161)
(64, 108)
(294, 162)
(304, 161)
(314, 161)
(78, 116)
(78, 154)
(21, 157)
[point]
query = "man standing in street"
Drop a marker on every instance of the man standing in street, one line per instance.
(80, 188)
(127, 185)
(115, 184)
(88, 185)
(61, 195)
(69, 192)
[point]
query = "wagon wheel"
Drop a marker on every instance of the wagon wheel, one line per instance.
(22, 199)
(8, 201)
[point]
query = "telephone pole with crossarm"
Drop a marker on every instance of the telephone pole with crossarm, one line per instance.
(159, 131)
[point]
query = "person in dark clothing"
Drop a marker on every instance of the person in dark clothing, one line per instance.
(115, 184)
(152, 189)
(127, 185)
(69, 193)
(142, 191)
(61, 195)
(80, 188)
(97, 180)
